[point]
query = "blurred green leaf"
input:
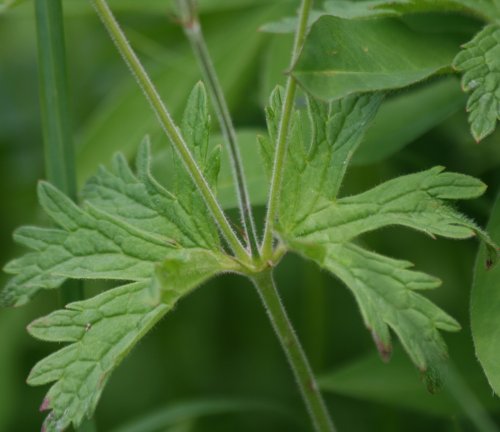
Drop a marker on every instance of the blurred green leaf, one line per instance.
(341, 56)
(191, 410)
(165, 7)
(485, 307)
(125, 118)
(397, 384)
(7, 4)
(407, 116)
(376, 8)
(254, 171)
(256, 177)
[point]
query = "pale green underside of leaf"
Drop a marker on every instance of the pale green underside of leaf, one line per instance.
(341, 57)
(485, 308)
(128, 224)
(101, 331)
(316, 223)
(130, 229)
(479, 61)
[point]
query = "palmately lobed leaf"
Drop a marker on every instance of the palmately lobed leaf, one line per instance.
(92, 244)
(127, 224)
(159, 243)
(479, 61)
(102, 331)
(315, 222)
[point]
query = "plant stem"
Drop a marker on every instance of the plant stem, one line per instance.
(54, 104)
(168, 125)
(283, 132)
(290, 343)
(56, 121)
(192, 28)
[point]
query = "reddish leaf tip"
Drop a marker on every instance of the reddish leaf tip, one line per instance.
(45, 405)
(384, 350)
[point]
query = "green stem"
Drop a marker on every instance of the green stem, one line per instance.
(54, 104)
(283, 132)
(290, 343)
(168, 125)
(192, 29)
(56, 121)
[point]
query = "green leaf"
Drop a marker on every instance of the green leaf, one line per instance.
(5, 5)
(397, 385)
(178, 412)
(485, 304)
(128, 222)
(101, 331)
(371, 9)
(341, 57)
(479, 61)
(377, 8)
(129, 229)
(318, 224)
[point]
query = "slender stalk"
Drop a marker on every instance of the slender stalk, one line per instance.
(283, 132)
(168, 125)
(469, 402)
(192, 28)
(54, 104)
(297, 359)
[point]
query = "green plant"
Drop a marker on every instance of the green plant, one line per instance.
(160, 243)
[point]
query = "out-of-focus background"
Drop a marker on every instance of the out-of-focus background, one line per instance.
(214, 364)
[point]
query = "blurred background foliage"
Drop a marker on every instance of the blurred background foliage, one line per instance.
(214, 363)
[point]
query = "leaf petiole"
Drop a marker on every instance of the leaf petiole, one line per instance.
(168, 125)
(283, 132)
(192, 28)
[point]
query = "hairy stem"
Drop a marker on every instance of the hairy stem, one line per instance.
(192, 29)
(172, 131)
(54, 105)
(290, 343)
(283, 132)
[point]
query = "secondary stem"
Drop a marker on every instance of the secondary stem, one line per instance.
(264, 283)
(283, 132)
(194, 33)
(54, 104)
(168, 125)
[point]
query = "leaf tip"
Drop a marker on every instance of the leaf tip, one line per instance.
(45, 406)
(432, 379)
(384, 349)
